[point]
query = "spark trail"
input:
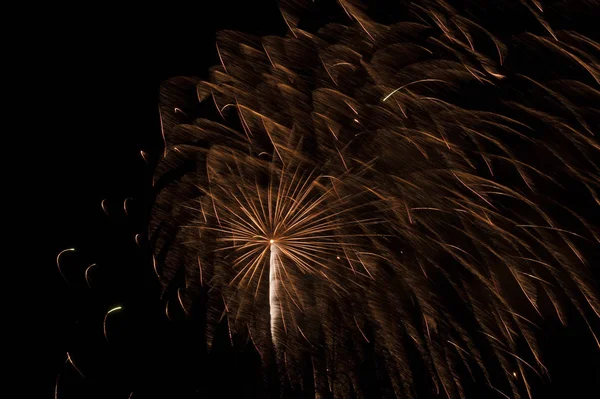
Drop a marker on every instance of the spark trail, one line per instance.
(274, 303)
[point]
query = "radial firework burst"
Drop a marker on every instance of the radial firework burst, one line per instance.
(293, 230)
(385, 188)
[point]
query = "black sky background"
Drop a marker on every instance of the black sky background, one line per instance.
(99, 92)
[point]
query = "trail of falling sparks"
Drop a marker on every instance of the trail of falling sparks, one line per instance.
(364, 201)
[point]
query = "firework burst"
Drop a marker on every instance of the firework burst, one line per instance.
(294, 230)
(349, 193)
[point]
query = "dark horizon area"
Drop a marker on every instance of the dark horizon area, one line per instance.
(102, 108)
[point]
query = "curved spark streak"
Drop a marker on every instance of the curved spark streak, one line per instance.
(103, 205)
(412, 83)
(144, 156)
(58, 261)
(125, 208)
(106, 316)
(87, 276)
(70, 360)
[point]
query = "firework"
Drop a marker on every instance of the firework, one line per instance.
(385, 187)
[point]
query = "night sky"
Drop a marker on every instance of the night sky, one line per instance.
(105, 67)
